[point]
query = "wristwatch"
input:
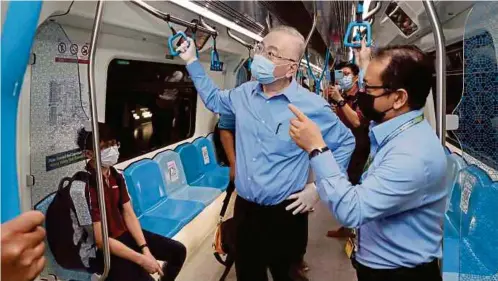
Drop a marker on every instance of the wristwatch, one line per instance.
(341, 103)
(318, 151)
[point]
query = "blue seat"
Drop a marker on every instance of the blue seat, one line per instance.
(191, 161)
(458, 253)
(209, 163)
(52, 267)
(210, 137)
(148, 192)
(479, 252)
(162, 226)
(176, 182)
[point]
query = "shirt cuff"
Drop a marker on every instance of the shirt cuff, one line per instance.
(325, 165)
(195, 68)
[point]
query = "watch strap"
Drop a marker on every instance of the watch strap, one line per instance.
(318, 151)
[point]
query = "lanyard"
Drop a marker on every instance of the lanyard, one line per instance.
(352, 245)
(395, 133)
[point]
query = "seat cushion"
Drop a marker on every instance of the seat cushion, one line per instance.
(204, 195)
(179, 210)
(162, 226)
(212, 181)
(451, 253)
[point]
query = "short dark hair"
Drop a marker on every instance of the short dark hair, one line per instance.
(408, 68)
(84, 139)
(354, 68)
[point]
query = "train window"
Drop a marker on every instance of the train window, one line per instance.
(401, 19)
(149, 105)
(454, 82)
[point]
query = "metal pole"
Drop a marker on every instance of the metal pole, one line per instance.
(167, 17)
(437, 30)
(238, 39)
(313, 26)
(96, 139)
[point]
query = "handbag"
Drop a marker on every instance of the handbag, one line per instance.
(224, 237)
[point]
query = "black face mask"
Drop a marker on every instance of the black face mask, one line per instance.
(366, 105)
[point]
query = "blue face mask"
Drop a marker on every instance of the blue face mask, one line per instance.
(262, 69)
(346, 83)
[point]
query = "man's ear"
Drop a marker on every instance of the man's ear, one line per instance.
(401, 99)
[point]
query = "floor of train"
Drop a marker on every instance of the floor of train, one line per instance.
(325, 256)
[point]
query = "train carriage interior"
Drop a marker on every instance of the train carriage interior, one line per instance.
(114, 61)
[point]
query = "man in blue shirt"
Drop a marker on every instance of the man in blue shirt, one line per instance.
(398, 207)
(269, 165)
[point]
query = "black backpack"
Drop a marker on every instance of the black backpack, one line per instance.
(69, 223)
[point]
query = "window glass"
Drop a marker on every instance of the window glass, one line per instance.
(149, 105)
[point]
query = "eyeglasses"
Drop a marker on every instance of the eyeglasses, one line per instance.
(260, 49)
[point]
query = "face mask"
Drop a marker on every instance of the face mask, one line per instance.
(262, 69)
(366, 105)
(109, 156)
(346, 83)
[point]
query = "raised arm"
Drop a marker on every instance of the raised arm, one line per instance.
(216, 100)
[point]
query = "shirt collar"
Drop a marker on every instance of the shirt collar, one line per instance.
(291, 92)
(382, 130)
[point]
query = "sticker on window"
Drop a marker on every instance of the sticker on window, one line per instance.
(172, 174)
(205, 155)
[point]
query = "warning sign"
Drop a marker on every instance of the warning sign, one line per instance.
(62, 159)
(78, 53)
(172, 174)
(205, 155)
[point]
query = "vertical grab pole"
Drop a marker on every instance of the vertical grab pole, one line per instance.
(96, 138)
(437, 30)
(313, 26)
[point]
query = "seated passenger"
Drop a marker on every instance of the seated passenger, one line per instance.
(399, 205)
(23, 247)
(345, 100)
(133, 251)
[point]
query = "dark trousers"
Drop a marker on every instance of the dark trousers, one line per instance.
(423, 272)
(162, 248)
(268, 237)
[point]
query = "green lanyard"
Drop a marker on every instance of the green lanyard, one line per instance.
(392, 135)
(356, 241)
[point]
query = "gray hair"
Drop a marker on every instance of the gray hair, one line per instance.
(293, 32)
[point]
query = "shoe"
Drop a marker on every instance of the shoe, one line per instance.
(342, 232)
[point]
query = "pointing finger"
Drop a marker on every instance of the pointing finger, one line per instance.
(297, 112)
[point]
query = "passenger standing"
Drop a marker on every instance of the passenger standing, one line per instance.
(399, 205)
(133, 250)
(346, 107)
(269, 165)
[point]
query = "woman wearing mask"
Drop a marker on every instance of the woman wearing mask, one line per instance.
(134, 252)
(346, 108)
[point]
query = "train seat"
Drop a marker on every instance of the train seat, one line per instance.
(208, 158)
(52, 266)
(469, 222)
(148, 192)
(455, 163)
(162, 226)
(176, 182)
(191, 161)
(479, 252)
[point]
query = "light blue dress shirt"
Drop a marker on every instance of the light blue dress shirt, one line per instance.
(399, 205)
(270, 166)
